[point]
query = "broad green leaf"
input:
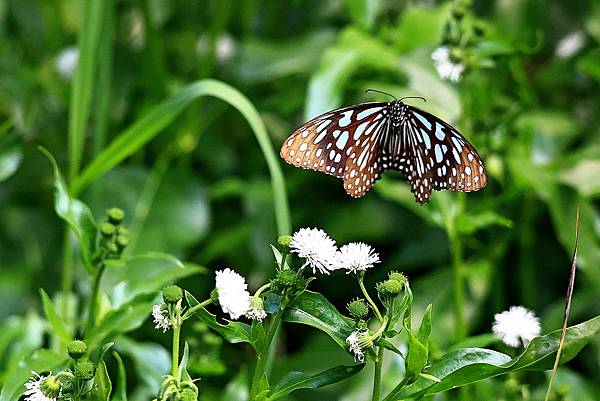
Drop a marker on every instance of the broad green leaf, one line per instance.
(313, 309)
(151, 361)
(469, 365)
(298, 380)
(75, 213)
(417, 352)
(58, 324)
(389, 345)
(121, 388)
(157, 119)
(40, 361)
(362, 12)
(97, 354)
(420, 26)
(425, 328)
(233, 332)
(127, 317)
(278, 256)
(102, 385)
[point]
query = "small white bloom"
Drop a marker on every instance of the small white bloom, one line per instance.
(256, 314)
(357, 257)
(358, 341)
(234, 297)
(516, 325)
(34, 391)
(570, 44)
(446, 68)
(315, 246)
(225, 48)
(66, 62)
(160, 313)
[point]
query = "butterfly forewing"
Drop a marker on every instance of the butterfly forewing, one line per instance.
(342, 143)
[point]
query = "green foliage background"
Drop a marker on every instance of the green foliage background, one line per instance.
(203, 191)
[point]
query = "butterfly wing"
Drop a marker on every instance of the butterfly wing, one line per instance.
(436, 156)
(342, 143)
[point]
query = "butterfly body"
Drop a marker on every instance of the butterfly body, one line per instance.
(358, 143)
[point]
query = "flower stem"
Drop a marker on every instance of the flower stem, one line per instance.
(93, 306)
(262, 289)
(67, 272)
(176, 335)
(368, 298)
(378, 374)
(261, 356)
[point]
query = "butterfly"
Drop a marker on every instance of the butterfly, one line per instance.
(358, 143)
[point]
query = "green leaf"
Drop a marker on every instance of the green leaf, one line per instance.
(97, 354)
(313, 309)
(389, 345)
(121, 389)
(40, 361)
(75, 213)
(362, 12)
(417, 352)
(233, 332)
(58, 324)
(157, 119)
(151, 361)
(102, 385)
(425, 328)
(298, 380)
(127, 317)
(468, 365)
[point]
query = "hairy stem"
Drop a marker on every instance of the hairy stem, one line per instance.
(368, 298)
(378, 374)
(176, 335)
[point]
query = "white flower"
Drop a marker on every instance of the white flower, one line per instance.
(516, 325)
(358, 341)
(357, 257)
(225, 47)
(160, 313)
(42, 388)
(446, 68)
(570, 44)
(315, 246)
(234, 297)
(256, 314)
(66, 62)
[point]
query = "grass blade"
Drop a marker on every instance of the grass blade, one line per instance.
(146, 128)
(567, 307)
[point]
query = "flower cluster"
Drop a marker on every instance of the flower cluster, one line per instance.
(233, 294)
(42, 388)
(320, 252)
(447, 65)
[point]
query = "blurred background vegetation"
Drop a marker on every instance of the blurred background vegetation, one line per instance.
(528, 101)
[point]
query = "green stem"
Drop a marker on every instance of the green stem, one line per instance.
(188, 313)
(262, 289)
(378, 374)
(261, 356)
(67, 273)
(93, 308)
(368, 298)
(176, 335)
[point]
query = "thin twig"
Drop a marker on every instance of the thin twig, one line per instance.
(567, 307)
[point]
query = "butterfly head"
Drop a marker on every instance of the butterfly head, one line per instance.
(398, 111)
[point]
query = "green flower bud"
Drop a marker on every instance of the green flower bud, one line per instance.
(122, 230)
(358, 309)
(286, 277)
(107, 229)
(50, 387)
(458, 13)
(115, 215)
(172, 294)
(112, 247)
(122, 241)
(76, 349)
(284, 243)
(85, 369)
(456, 55)
(362, 324)
(188, 394)
(399, 277)
(389, 288)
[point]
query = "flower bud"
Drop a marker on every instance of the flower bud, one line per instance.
(85, 369)
(50, 387)
(172, 294)
(107, 229)
(389, 288)
(286, 277)
(115, 215)
(284, 242)
(112, 247)
(362, 324)
(458, 13)
(122, 241)
(188, 394)
(257, 309)
(456, 55)
(399, 277)
(76, 349)
(358, 309)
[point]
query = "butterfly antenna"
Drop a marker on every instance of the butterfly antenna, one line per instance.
(383, 93)
(414, 97)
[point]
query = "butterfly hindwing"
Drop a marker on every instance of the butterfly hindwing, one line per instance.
(342, 143)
